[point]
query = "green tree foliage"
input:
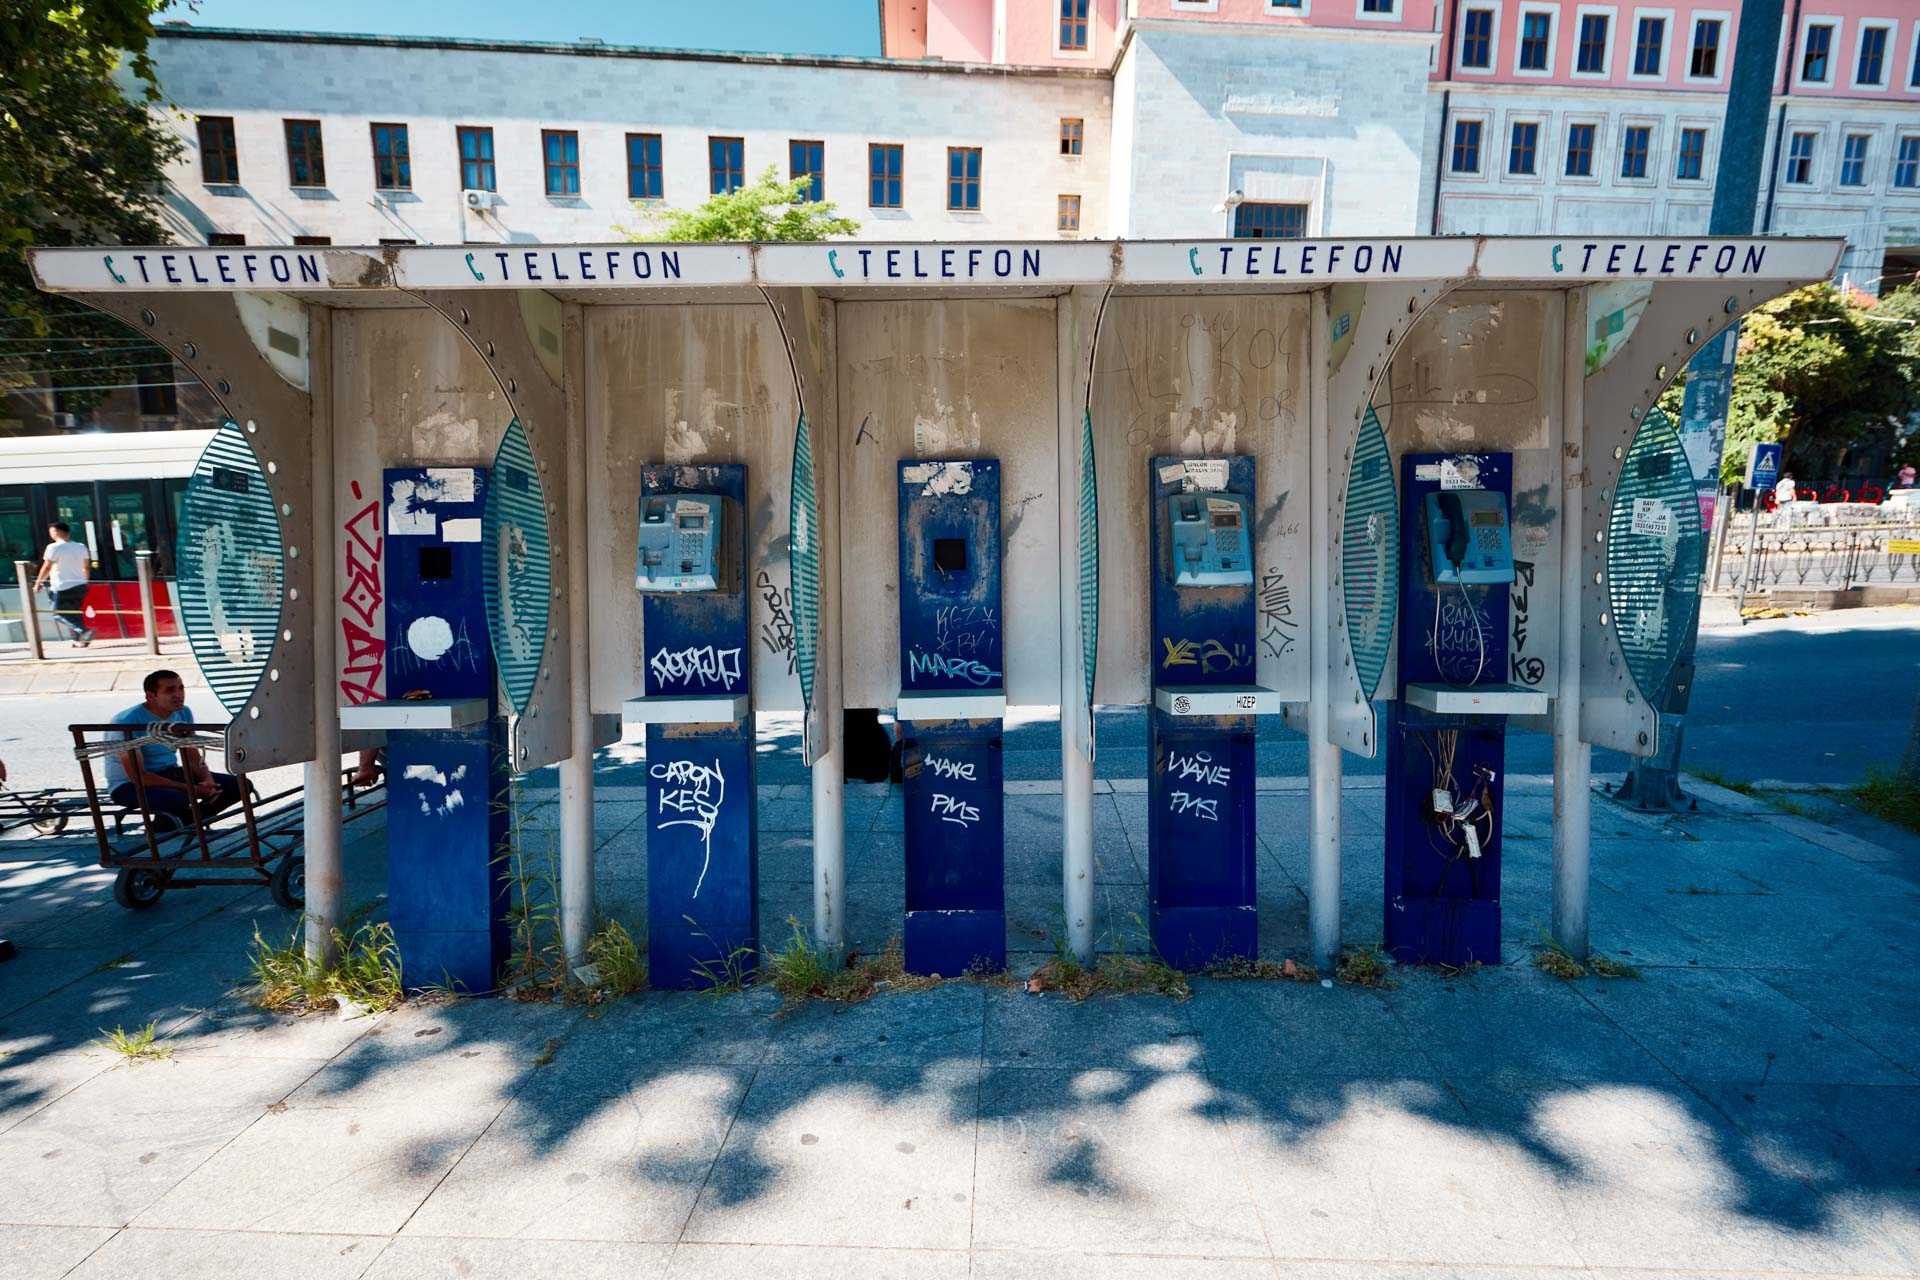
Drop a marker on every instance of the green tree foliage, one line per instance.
(768, 208)
(1829, 374)
(81, 162)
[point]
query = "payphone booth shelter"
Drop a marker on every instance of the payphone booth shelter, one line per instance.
(1324, 390)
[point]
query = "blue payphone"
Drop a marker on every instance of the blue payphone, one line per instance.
(950, 711)
(702, 855)
(446, 748)
(1200, 785)
(1446, 739)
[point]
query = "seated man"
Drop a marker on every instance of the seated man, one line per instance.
(167, 773)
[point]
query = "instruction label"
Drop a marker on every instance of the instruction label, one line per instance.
(1652, 517)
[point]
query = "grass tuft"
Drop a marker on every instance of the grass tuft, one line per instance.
(1111, 975)
(616, 956)
(1365, 967)
(1554, 959)
(137, 1046)
(802, 971)
(1239, 969)
(1608, 967)
(1891, 798)
(366, 974)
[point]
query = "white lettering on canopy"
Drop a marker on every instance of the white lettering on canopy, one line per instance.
(1188, 261)
(573, 266)
(908, 265)
(149, 270)
(1705, 258)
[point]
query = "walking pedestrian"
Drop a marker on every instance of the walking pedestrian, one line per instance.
(63, 566)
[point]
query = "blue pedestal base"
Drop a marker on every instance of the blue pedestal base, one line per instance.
(703, 919)
(1200, 841)
(951, 943)
(955, 807)
(1193, 938)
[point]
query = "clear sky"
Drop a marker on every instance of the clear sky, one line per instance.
(747, 26)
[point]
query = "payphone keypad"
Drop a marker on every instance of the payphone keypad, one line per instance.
(680, 542)
(1211, 546)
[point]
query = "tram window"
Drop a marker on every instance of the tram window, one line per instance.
(17, 537)
(128, 530)
(75, 509)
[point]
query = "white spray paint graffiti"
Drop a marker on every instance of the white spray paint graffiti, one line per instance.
(1198, 767)
(696, 790)
(429, 637)
(1181, 802)
(958, 812)
(698, 663)
(958, 770)
(450, 797)
(920, 663)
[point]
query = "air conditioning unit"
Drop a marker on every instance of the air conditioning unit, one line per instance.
(66, 421)
(480, 199)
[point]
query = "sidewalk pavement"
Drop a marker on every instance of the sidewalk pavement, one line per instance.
(103, 665)
(1749, 1105)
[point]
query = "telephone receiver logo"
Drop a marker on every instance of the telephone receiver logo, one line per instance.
(117, 277)
(474, 269)
(1193, 259)
(833, 260)
(1556, 259)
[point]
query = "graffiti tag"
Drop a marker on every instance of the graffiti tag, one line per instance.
(694, 793)
(957, 770)
(363, 659)
(1210, 657)
(777, 631)
(697, 664)
(1278, 626)
(1198, 767)
(1527, 668)
(979, 674)
(958, 812)
(1181, 802)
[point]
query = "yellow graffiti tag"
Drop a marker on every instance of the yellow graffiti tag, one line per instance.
(1179, 653)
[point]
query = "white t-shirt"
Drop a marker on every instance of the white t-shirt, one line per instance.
(69, 561)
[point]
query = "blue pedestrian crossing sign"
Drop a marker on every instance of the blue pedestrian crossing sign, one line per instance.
(1763, 465)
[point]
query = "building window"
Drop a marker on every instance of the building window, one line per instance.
(1649, 46)
(726, 164)
(1906, 166)
(1853, 159)
(1800, 159)
(1264, 220)
(1595, 32)
(1476, 39)
(1383, 8)
(1067, 217)
(1870, 68)
(963, 179)
(1691, 165)
(1072, 135)
(225, 238)
(884, 162)
(1536, 41)
(1523, 148)
(806, 159)
(1816, 62)
(560, 153)
(1466, 146)
(476, 158)
(312, 240)
(645, 178)
(1913, 63)
(306, 162)
(1580, 150)
(397, 243)
(1705, 62)
(1635, 142)
(219, 158)
(158, 396)
(392, 165)
(1073, 25)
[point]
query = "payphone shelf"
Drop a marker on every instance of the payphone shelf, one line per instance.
(1217, 700)
(952, 704)
(1478, 699)
(680, 708)
(418, 714)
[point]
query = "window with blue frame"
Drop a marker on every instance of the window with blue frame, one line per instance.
(1635, 142)
(1523, 148)
(1596, 29)
(1906, 164)
(1649, 46)
(1466, 146)
(1476, 39)
(1816, 61)
(1853, 160)
(1073, 25)
(1265, 220)
(1691, 163)
(560, 155)
(1536, 41)
(1580, 138)
(476, 158)
(808, 159)
(884, 162)
(1800, 159)
(963, 179)
(646, 179)
(1870, 71)
(726, 164)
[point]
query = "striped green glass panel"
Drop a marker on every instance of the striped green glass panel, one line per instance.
(1370, 553)
(229, 568)
(1089, 558)
(804, 518)
(1654, 553)
(517, 571)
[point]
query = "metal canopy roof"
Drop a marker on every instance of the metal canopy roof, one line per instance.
(679, 274)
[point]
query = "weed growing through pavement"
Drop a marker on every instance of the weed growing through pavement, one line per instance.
(1111, 974)
(1365, 967)
(1240, 969)
(616, 957)
(1552, 958)
(1890, 798)
(137, 1046)
(365, 973)
(802, 971)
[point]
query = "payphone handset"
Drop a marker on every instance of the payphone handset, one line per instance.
(681, 546)
(1468, 539)
(1211, 545)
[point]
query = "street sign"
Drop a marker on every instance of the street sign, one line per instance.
(1763, 465)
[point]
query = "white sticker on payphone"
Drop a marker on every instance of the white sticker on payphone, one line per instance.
(1207, 473)
(1652, 517)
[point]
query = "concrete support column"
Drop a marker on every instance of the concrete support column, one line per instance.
(1323, 756)
(1572, 758)
(830, 757)
(576, 770)
(1079, 313)
(320, 802)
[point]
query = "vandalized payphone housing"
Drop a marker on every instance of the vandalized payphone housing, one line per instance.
(1200, 785)
(681, 543)
(952, 701)
(1446, 736)
(697, 706)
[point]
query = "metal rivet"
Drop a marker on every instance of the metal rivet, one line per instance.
(1693, 336)
(286, 508)
(253, 428)
(293, 553)
(253, 713)
(513, 387)
(489, 350)
(1618, 453)
(189, 351)
(1598, 537)
(287, 636)
(1731, 303)
(465, 318)
(1634, 413)
(1606, 619)
(273, 468)
(148, 318)
(1661, 373)
(273, 674)
(293, 593)
(1598, 577)
(224, 387)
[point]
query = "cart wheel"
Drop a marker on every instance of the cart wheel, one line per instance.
(137, 888)
(289, 883)
(50, 822)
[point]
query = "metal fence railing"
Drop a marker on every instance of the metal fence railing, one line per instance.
(1788, 555)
